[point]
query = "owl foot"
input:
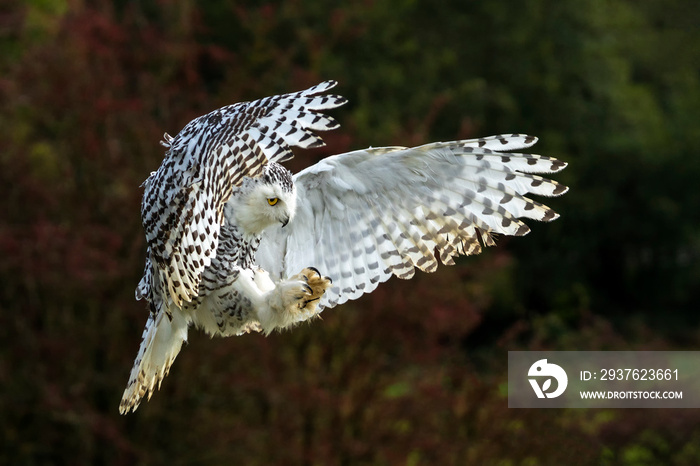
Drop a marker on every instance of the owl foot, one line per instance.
(314, 285)
(318, 284)
(294, 299)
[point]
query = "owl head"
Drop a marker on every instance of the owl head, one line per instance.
(267, 200)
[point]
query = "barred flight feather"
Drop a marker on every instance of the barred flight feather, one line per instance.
(399, 209)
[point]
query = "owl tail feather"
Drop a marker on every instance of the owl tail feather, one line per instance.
(160, 344)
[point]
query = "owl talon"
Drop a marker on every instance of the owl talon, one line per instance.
(310, 301)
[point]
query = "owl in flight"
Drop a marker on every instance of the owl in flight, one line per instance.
(236, 243)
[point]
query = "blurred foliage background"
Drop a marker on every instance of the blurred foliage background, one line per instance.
(416, 372)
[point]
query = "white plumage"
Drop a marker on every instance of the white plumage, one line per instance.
(235, 243)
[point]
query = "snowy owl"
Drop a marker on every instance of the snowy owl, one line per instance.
(236, 243)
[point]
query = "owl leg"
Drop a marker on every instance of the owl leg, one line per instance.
(292, 300)
(274, 305)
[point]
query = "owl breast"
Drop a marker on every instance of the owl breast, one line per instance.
(235, 252)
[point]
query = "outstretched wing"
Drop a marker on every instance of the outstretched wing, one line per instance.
(183, 201)
(367, 215)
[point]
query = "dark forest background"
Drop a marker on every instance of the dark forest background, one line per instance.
(416, 372)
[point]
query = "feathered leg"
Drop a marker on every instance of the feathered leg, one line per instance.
(282, 304)
(293, 300)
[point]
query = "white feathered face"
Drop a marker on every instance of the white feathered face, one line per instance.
(267, 200)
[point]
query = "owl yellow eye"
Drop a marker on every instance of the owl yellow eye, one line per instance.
(272, 201)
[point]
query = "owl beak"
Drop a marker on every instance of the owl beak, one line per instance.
(285, 222)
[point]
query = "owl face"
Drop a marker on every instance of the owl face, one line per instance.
(262, 202)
